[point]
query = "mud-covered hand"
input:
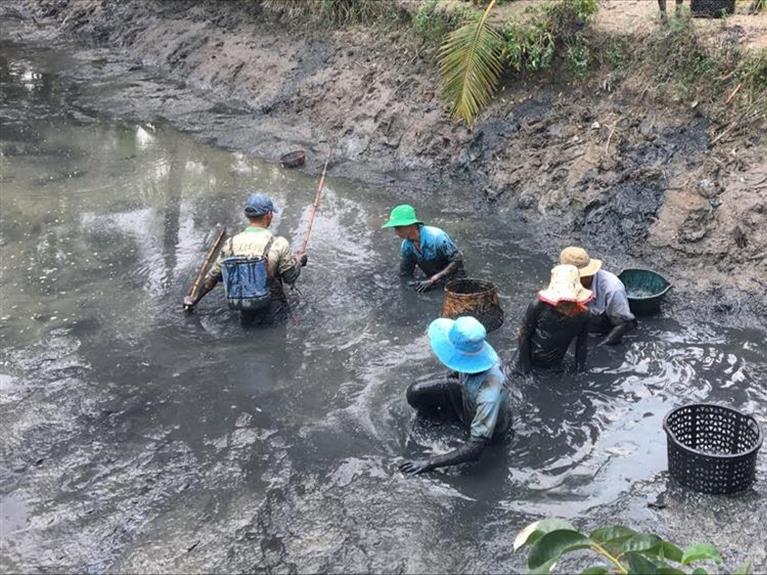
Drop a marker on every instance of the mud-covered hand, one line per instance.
(615, 335)
(416, 467)
(424, 285)
(188, 304)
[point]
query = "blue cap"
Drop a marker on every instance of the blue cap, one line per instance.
(460, 344)
(259, 205)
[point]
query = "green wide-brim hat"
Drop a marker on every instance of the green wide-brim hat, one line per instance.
(402, 215)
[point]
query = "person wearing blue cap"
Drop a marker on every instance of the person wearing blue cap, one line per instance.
(428, 247)
(475, 394)
(254, 264)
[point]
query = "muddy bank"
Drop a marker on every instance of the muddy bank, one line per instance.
(638, 180)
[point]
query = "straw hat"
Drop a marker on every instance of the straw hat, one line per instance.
(578, 257)
(565, 285)
(460, 344)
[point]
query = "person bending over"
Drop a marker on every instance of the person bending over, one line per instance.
(609, 310)
(427, 247)
(474, 394)
(557, 316)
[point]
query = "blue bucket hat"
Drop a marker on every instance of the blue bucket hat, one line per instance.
(259, 205)
(460, 344)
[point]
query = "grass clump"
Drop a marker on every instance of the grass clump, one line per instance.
(531, 42)
(434, 20)
(336, 12)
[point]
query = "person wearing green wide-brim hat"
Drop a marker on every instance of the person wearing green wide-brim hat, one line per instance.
(428, 247)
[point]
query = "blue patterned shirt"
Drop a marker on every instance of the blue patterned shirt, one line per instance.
(436, 252)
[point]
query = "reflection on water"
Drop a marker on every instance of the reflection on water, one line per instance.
(139, 438)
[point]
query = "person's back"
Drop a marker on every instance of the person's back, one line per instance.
(242, 262)
(551, 332)
(557, 316)
(610, 300)
(252, 243)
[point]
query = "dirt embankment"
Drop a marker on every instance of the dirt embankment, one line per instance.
(638, 180)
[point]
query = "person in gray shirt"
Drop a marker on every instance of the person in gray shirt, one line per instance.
(609, 310)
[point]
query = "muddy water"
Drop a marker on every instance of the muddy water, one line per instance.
(136, 438)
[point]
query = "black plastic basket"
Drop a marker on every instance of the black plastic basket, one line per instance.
(711, 8)
(712, 448)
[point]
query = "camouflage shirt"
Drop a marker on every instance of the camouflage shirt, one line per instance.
(251, 244)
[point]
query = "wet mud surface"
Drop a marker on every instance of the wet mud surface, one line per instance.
(609, 165)
(139, 439)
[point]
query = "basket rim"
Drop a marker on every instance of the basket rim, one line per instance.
(723, 456)
(669, 285)
(487, 287)
(293, 155)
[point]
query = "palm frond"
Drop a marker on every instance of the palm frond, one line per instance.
(470, 63)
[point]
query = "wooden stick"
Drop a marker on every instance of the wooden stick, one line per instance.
(610, 137)
(315, 205)
(212, 252)
(732, 95)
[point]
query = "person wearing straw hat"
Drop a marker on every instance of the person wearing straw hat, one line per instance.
(428, 247)
(474, 394)
(254, 243)
(609, 311)
(557, 316)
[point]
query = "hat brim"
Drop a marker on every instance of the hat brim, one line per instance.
(256, 213)
(553, 297)
(455, 359)
(593, 267)
(401, 222)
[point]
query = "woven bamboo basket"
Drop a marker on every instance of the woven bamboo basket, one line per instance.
(477, 298)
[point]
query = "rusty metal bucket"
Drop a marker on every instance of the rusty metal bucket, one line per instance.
(478, 298)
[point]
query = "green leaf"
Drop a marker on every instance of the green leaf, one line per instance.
(535, 531)
(611, 534)
(701, 552)
(552, 545)
(596, 570)
(665, 569)
(699, 571)
(639, 564)
(544, 569)
(743, 568)
(666, 550)
(470, 63)
(640, 542)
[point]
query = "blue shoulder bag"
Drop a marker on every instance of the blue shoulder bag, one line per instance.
(247, 282)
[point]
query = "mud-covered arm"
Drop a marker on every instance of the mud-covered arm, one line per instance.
(469, 451)
(620, 316)
(288, 265)
(617, 332)
(582, 345)
(529, 323)
(407, 260)
(453, 255)
(227, 250)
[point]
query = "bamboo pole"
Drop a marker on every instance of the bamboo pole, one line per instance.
(212, 252)
(315, 205)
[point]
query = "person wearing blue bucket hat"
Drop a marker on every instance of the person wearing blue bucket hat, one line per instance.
(428, 247)
(474, 394)
(254, 264)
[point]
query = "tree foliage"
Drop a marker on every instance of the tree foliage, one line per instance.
(621, 550)
(473, 56)
(470, 63)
